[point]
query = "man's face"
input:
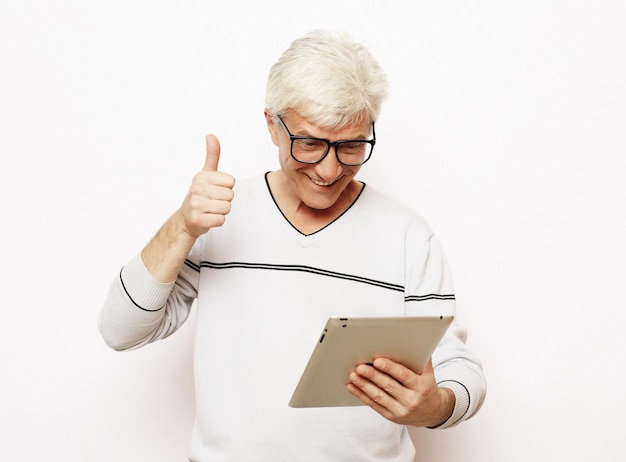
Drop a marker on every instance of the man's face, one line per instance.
(318, 186)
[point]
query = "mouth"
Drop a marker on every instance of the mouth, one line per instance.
(322, 183)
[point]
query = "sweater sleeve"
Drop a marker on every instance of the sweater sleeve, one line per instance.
(459, 369)
(429, 290)
(139, 310)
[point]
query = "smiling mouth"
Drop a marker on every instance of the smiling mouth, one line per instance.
(322, 183)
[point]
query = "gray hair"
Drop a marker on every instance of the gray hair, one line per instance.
(329, 79)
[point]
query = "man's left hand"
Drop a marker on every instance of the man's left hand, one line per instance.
(401, 395)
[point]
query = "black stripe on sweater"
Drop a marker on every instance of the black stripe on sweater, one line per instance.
(131, 298)
(321, 272)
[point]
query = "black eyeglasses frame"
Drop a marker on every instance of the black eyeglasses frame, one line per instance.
(329, 144)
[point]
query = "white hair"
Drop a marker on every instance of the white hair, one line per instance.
(329, 79)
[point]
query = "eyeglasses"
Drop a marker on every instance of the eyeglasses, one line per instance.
(309, 150)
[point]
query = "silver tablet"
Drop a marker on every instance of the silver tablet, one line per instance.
(347, 342)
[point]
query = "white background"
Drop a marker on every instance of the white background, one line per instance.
(505, 128)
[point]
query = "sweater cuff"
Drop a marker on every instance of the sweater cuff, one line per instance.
(145, 292)
(461, 405)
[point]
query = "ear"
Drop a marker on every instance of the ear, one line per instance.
(271, 126)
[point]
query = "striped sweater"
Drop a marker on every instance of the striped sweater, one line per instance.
(264, 291)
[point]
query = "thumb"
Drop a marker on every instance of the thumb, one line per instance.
(428, 368)
(212, 154)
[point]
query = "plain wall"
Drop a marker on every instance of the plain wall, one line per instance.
(505, 128)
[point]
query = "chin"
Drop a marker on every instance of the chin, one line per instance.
(320, 202)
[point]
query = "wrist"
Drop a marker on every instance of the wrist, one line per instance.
(461, 402)
(446, 407)
(166, 252)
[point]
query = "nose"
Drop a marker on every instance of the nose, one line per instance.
(329, 168)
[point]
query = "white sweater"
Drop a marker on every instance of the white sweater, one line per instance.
(264, 291)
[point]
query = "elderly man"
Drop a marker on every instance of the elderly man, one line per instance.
(270, 259)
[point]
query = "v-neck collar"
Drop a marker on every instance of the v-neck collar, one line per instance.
(320, 231)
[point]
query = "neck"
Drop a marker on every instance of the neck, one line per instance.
(304, 218)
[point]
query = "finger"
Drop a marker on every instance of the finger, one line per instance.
(383, 375)
(218, 207)
(370, 394)
(358, 392)
(397, 371)
(212, 154)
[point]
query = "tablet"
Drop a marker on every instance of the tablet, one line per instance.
(347, 342)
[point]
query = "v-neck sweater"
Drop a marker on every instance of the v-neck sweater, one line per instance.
(264, 291)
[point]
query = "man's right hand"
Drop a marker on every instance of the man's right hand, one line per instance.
(210, 194)
(205, 207)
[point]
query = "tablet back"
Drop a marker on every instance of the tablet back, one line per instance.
(347, 342)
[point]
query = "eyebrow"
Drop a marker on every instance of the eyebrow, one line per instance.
(306, 134)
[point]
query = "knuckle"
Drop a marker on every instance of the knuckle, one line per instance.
(390, 388)
(402, 414)
(215, 221)
(195, 188)
(194, 201)
(378, 397)
(200, 177)
(413, 402)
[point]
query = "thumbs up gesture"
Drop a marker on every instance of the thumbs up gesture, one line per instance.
(210, 194)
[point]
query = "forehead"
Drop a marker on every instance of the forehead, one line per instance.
(300, 126)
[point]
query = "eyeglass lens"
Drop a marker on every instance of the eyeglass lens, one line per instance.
(310, 150)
